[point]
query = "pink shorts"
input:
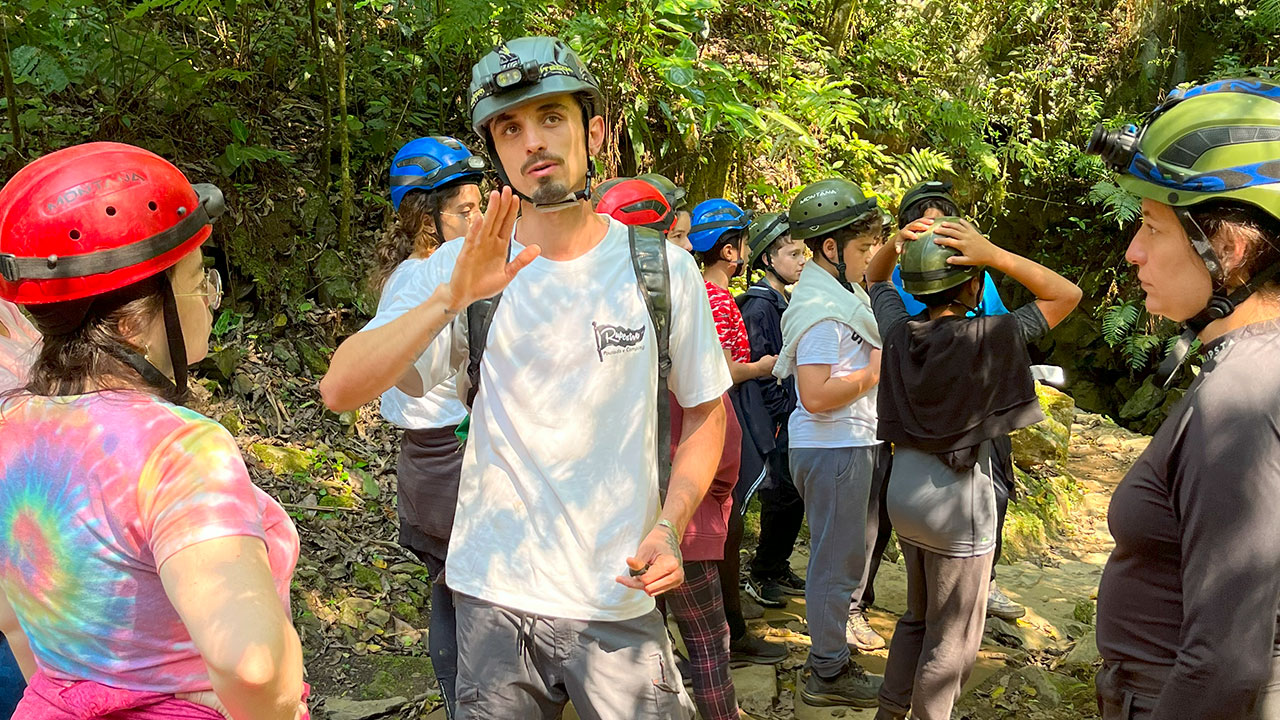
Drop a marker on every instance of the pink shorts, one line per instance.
(46, 699)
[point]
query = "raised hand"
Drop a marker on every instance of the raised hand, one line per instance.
(974, 248)
(482, 269)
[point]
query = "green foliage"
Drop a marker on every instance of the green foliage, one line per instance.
(1119, 205)
(750, 99)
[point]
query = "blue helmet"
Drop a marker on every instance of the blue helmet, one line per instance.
(711, 219)
(432, 162)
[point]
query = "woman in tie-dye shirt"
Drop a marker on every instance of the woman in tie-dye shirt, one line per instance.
(149, 578)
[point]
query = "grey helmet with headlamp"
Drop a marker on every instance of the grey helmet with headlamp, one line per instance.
(524, 69)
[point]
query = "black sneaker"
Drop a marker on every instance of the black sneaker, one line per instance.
(791, 583)
(756, 650)
(853, 687)
(768, 593)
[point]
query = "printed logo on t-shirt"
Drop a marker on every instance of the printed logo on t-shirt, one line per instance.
(615, 339)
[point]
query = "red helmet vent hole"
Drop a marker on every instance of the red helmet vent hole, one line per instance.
(152, 206)
(111, 211)
(75, 234)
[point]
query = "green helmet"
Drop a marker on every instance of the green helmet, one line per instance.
(1219, 141)
(525, 69)
(763, 231)
(676, 195)
(826, 206)
(924, 265)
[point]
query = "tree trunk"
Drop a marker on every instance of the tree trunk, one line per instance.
(838, 30)
(344, 135)
(326, 131)
(10, 95)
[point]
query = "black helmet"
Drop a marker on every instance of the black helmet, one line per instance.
(940, 189)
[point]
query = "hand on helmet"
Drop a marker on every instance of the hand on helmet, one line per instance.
(912, 231)
(974, 248)
(482, 269)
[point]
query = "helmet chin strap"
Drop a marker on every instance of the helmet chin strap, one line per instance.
(177, 348)
(840, 270)
(1220, 305)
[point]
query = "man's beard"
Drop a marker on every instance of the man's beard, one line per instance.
(549, 192)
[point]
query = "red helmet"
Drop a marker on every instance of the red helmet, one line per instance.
(636, 202)
(97, 217)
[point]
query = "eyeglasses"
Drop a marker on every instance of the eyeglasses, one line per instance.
(464, 215)
(210, 288)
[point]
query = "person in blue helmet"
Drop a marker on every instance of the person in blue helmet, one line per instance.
(435, 192)
(930, 200)
(718, 235)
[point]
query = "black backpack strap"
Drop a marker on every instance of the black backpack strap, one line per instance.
(649, 258)
(479, 318)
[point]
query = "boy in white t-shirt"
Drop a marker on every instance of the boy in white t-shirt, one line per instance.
(560, 540)
(831, 344)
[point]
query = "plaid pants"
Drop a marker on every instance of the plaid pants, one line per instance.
(698, 607)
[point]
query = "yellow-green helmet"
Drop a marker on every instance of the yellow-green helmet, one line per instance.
(1214, 142)
(924, 265)
(1218, 141)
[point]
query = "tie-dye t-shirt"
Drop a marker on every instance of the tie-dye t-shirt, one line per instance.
(96, 493)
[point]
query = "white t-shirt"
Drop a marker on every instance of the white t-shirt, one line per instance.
(404, 290)
(833, 343)
(19, 350)
(559, 481)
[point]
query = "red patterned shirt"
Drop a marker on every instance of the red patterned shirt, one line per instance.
(729, 325)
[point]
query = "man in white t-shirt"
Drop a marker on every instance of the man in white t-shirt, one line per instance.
(831, 344)
(560, 540)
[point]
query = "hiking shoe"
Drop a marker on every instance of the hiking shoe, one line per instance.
(753, 649)
(999, 605)
(859, 634)
(791, 583)
(853, 687)
(768, 593)
(751, 609)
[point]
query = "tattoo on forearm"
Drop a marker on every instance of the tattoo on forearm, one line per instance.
(673, 543)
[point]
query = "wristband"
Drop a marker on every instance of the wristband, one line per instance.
(668, 524)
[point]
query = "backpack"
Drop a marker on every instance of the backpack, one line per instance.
(649, 259)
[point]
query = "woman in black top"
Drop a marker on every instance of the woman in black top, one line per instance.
(1189, 601)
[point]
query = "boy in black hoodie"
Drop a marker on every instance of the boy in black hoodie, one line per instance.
(782, 511)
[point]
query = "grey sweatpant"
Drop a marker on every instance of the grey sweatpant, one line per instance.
(835, 484)
(520, 666)
(936, 642)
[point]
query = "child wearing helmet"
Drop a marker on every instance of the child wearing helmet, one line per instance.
(940, 495)
(782, 258)
(435, 193)
(718, 237)
(831, 345)
(134, 506)
(931, 200)
(1187, 606)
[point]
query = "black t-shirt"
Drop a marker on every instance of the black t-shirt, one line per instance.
(1194, 581)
